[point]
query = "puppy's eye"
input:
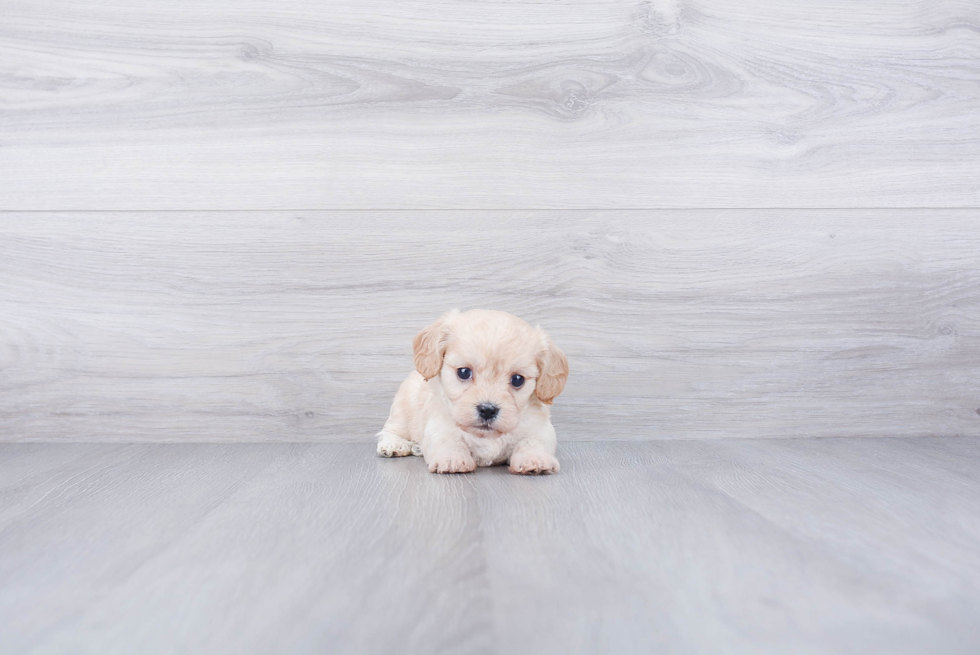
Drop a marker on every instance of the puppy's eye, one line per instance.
(517, 381)
(464, 373)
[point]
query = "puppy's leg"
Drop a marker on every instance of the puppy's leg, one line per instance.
(393, 439)
(532, 460)
(535, 454)
(445, 451)
(450, 460)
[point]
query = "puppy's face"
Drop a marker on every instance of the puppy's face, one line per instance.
(491, 366)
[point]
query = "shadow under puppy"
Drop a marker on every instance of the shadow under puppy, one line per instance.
(479, 396)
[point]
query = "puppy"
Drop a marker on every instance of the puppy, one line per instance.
(479, 396)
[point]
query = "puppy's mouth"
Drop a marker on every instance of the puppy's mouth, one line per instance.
(485, 428)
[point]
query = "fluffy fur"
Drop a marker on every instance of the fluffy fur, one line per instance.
(438, 414)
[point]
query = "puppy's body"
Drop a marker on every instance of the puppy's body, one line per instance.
(479, 396)
(419, 404)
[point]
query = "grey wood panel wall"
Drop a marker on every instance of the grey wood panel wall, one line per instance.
(680, 322)
(260, 326)
(470, 104)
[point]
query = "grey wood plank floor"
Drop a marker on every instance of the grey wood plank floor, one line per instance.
(259, 326)
(726, 546)
(252, 104)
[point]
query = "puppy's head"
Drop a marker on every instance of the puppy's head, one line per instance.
(491, 365)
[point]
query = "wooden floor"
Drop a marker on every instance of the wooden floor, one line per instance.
(726, 546)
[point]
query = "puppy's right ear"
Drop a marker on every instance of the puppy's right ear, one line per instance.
(554, 370)
(429, 345)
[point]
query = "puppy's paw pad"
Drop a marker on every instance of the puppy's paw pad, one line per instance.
(533, 464)
(451, 463)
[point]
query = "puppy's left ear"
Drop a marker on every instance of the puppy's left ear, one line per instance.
(554, 371)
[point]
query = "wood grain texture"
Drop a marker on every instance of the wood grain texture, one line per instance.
(765, 546)
(678, 324)
(507, 104)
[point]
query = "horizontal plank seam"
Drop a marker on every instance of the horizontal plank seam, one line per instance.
(478, 209)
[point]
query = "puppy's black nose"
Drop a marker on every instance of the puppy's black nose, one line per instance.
(487, 411)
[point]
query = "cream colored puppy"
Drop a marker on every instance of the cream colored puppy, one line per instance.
(479, 396)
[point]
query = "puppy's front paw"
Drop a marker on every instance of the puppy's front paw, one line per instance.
(533, 463)
(391, 445)
(451, 462)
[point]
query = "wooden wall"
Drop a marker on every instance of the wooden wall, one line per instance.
(225, 221)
